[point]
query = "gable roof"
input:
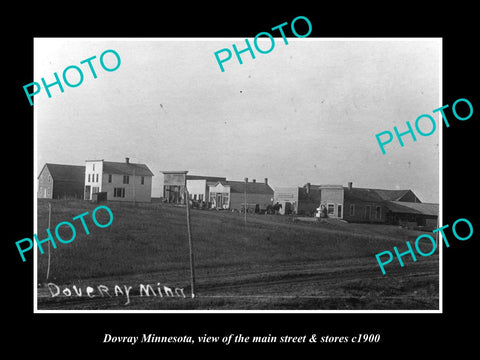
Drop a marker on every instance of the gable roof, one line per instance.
(208, 178)
(61, 172)
(375, 195)
(123, 168)
(413, 208)
(391, 195)
(252, 187)
(362, 194)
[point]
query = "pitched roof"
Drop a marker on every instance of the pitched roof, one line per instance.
(65, 172)
(413, 208)
(374, 195)
(362, 194)
(123, 168)
(208, 178)
(252, 187)
(391, 195)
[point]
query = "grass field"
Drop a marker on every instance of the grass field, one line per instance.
(272, 263)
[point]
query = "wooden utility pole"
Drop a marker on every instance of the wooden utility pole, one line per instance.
(134, 200)
(49, 221)
(190, 244)
(245, 201)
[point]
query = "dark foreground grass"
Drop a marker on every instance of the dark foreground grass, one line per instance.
(272, 263)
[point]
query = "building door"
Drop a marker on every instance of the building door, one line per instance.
(219, 201)
(339, 211)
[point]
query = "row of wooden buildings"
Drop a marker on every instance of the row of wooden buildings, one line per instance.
(132, 182)
(217, 192)
(358, 204)
(120, 181)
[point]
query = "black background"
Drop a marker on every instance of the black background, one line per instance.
(82, 334)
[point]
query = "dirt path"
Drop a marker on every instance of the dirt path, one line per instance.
(332, 279)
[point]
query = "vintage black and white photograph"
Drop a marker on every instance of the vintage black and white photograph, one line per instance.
(209, 175)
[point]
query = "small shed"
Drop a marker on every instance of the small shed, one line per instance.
(99, 197)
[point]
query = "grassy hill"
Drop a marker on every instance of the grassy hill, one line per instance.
(272, 263)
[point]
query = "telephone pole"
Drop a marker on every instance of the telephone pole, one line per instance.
(49, 222)
(190, 243)
(245, 201)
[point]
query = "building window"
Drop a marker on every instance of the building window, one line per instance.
(93, 167)
(97, 178)
(88, 177)
(225, 199)
(49, 178)
(49, 191)
(95, 189)
(119, 192)
(142, 180)
(330, 209)
(109, 178)
(352, 209)
(126, 179)
(200, 197)
(378, 213)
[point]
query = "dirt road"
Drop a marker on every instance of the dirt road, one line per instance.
(291, 284)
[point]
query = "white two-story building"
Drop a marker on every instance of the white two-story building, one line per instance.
(121, 181)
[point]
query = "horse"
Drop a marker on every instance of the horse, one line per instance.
(273, 209)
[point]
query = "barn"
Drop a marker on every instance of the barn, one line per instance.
(231, 195)
(59, 181)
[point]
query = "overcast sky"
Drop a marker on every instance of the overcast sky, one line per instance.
(306, 112)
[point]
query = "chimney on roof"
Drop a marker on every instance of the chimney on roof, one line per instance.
(266, 181)
(350, 185)
(254, 180)
(127, 160)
